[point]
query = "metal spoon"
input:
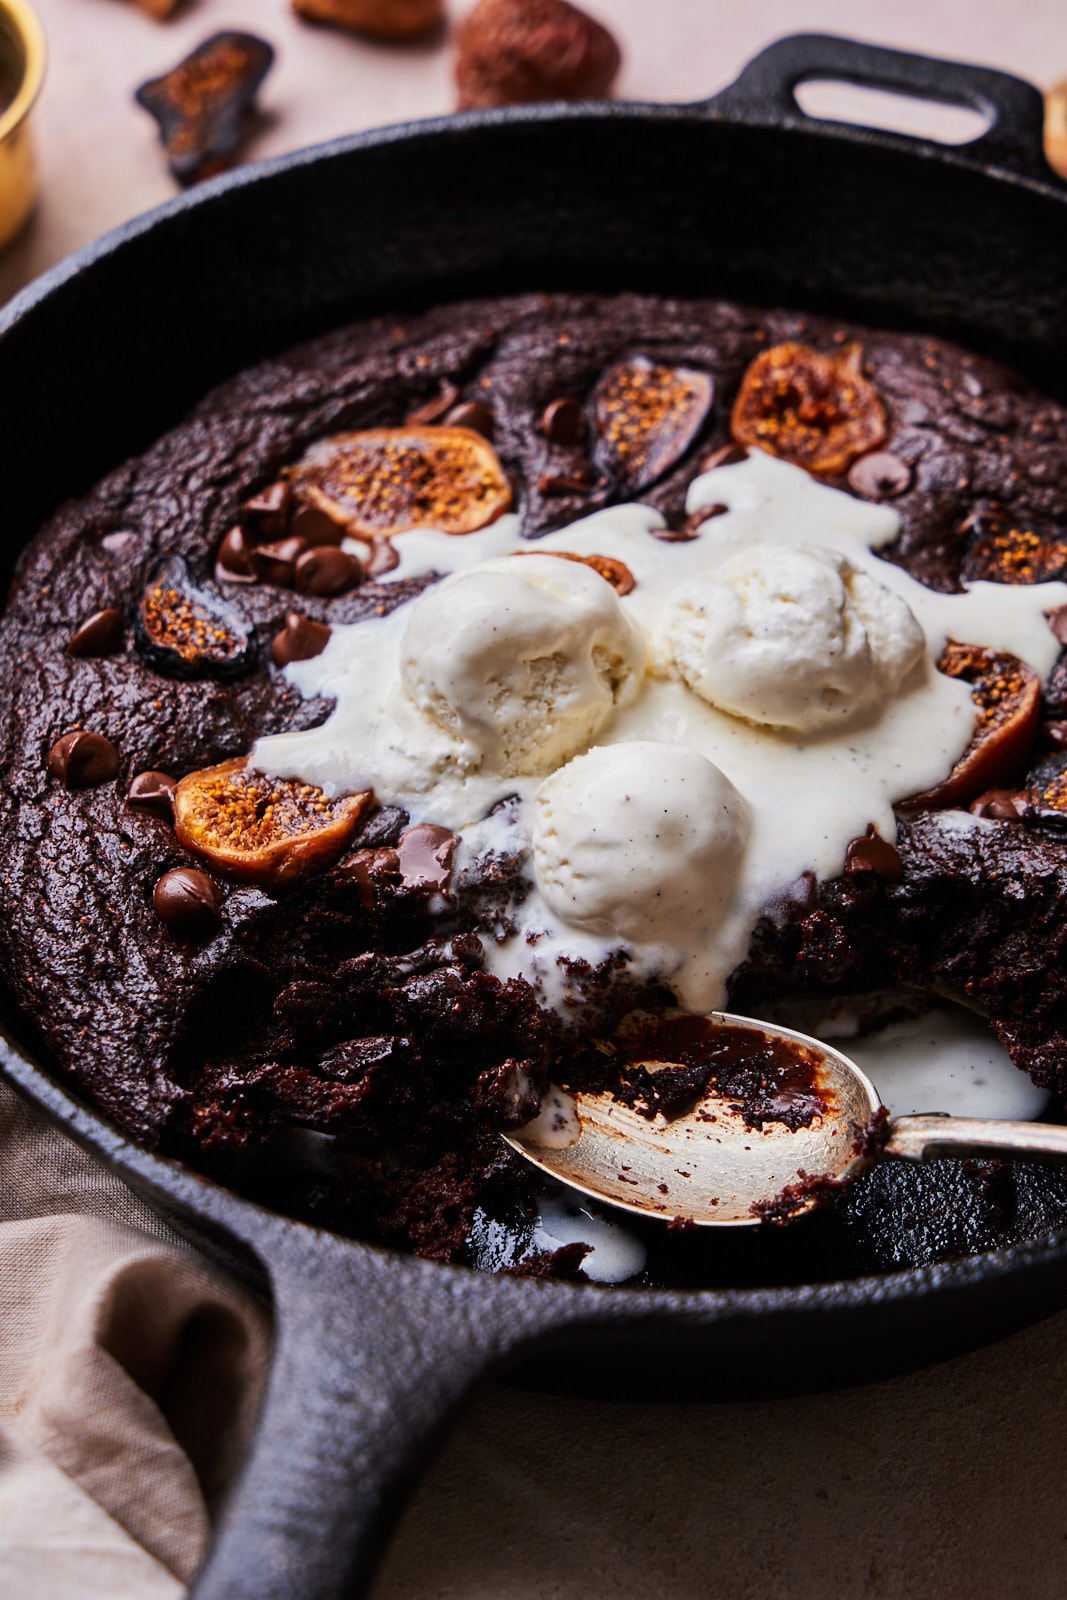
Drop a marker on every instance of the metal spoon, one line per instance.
(709, 1166)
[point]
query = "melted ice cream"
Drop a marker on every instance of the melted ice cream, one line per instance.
(807, 794)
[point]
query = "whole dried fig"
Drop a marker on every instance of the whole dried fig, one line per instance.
(394, 20)
(512, 51)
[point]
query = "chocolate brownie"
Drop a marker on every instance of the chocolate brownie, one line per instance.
(323, 1029)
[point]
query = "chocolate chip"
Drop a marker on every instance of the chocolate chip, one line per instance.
(116, 543)
(154, 791)
(205, 105)
(384, 557)
(316, 526)
(268, 510)
(234, 562)
(188, 902)
(1053, 734)
(432, 411)
(727, 455)
(471, 414)
(873, 854)
(299, 640)
(424, 856)
(582, 480)
(79, 760)
(694, 522)
(561, 421)
(1057, 621)
(1003, 805)
(881, 476)
(327, 571)
(99, 635)
(276, 561)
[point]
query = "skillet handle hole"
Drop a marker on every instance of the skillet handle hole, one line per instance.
(830, 100)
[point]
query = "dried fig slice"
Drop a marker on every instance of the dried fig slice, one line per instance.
(610, 568)
(205, 106)
(186, 632)
(647, 415)
(1007, 695)
(385, 480)
(259, 829)
(817, 411)
(1002, 552)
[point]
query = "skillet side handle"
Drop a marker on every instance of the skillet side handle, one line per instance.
(1013, 141)
(372, 1356)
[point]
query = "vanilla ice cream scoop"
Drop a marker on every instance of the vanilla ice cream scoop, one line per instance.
(521, 660)
(641, 842)
(790, 635)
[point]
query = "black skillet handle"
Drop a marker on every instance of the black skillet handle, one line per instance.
(373, 1353)
(1014, 140)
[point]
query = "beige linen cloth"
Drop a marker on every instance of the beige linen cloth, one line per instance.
(130, 1377)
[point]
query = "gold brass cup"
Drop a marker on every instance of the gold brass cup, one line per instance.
(22, 58)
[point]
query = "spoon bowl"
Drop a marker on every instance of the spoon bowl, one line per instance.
(728, 1162)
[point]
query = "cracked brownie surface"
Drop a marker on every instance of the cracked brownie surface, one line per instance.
(335, 1044)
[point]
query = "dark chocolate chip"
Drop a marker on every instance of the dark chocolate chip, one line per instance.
(581, 480)
(873, 854)
(432, 411)
(326, 571)
(81, 759)
(183, 631)
(99, 635)
(154, 791)
(471, 414)
(299, 640)
(188, 902)
(234, 562)
(1003, 805)
(204, 106)
(561, 421)
(1053, 735)
(384, 557)
(268, 511)
(1057, 621)
(727, 455)
(116, 543)
(879, 476)
(316, 526)
(424, 856)
(276, 561)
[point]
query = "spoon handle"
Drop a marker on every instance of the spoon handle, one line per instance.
(928, 1137)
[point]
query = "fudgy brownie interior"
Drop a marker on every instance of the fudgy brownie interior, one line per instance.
(331, 1041)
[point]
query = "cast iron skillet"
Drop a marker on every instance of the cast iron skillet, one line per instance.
(741, 195)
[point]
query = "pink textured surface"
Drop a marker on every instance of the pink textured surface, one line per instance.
(949, 1483)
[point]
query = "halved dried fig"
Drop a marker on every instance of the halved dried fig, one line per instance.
(185, 632)
(386, 480)
(260, 829)
(613, 571)
(647, 415)
(817, 411)
(1007, 695)
(1002, 552)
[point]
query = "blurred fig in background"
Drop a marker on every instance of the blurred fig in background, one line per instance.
(511, 51)
(205, 106)
(394, 20)
(1056, 128)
